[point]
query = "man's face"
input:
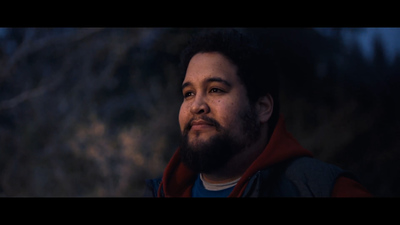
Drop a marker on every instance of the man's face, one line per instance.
(215, 117)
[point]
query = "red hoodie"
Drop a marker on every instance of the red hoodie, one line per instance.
(178, 180)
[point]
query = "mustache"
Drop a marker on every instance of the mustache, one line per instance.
(212, 121)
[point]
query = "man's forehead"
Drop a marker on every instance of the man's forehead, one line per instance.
(209, 67)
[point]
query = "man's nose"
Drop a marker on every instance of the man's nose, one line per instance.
(199, 106)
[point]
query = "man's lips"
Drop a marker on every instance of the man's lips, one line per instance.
(200, 125)
(203, 123)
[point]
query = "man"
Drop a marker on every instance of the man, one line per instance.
(234, 142)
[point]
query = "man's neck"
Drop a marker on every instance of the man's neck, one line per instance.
(239, 163)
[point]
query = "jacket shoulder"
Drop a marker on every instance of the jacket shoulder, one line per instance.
(312, 177)
(299, 177)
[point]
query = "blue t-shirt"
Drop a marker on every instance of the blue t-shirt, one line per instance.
(199, 191)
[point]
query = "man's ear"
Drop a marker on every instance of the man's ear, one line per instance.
(264, 108)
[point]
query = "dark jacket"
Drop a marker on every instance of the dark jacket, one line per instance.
(283, 169)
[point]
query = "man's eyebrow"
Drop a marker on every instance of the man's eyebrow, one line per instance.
(209, 80)
(186, 84)
(217, 79)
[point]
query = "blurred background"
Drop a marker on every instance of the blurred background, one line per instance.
(94, 111)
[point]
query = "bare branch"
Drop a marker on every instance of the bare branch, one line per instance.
(28, 47)
(38, 91)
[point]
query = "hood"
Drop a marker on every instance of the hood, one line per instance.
(177, 180)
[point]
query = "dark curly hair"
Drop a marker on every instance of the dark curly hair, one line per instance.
(256, 65)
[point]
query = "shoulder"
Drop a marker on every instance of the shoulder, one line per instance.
(311, 168)
(346, 187)
(313, 177)
(308, 177)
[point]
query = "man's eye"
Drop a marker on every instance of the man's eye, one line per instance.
(188, 94)
(216, 90)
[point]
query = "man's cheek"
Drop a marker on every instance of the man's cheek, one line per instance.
(181, 120)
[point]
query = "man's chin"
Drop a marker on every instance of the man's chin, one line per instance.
(194, 144)
(205, 154)
(201, 137)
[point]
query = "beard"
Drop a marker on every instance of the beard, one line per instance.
(211, 155)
